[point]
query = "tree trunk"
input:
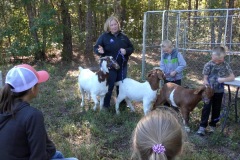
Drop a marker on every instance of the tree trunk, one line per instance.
(89, 32)
(39, 54)
(195, 13)
(81, 24)
(212, 24)
(67, 53)
(189, 13)
(221, 23)
(229, 24)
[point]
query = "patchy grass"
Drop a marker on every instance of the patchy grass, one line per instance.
(85, 134)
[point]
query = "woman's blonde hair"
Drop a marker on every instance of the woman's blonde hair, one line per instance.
(108, 21)
(160, 127)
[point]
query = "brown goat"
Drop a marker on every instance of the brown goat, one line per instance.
(185, 99)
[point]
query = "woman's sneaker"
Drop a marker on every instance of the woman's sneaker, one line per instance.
(201, 131)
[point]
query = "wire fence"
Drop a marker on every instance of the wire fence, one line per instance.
(194, 33)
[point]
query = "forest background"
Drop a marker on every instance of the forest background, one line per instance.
(34, 27)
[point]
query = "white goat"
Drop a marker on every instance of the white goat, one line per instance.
(95, 84)
(146, 92)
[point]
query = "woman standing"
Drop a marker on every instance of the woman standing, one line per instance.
(116, 44)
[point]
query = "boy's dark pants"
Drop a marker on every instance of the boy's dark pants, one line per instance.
(214, 105)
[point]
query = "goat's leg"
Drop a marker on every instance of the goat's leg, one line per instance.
(146, 106)
(119, 99)
(185, 115)
(129, 103)
(101, 102)
(160, 100)
(95, 100)
(82, 94)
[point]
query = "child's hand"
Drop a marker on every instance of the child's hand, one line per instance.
(221, 80)
(173, 73)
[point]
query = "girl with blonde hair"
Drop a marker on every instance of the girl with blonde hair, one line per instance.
(158, 136)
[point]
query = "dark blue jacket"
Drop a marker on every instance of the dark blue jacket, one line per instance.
(23, 135)
(112, 44)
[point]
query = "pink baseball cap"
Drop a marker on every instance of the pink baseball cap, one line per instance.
(24, 77)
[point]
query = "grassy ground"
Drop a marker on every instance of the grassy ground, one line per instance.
(88, 135)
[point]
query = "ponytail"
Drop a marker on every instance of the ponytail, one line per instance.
(7, 98)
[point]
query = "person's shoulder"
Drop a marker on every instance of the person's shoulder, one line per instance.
(104, 34)
(121, 33)
(30, 111)
(225, 63)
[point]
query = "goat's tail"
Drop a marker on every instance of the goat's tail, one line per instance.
(80, 68)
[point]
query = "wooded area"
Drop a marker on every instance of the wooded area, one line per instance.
(34, 27)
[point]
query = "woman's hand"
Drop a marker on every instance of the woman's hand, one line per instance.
(123, 51)
(100, 49)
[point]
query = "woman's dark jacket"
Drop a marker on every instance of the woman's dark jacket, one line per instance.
(112, 43)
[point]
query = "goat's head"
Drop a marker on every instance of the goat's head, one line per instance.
(156, 72)
(206, 91)
(111, 63)
(153, 78)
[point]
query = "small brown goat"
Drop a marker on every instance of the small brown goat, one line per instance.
(185, 99)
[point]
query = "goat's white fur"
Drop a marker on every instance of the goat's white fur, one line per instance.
(171, 98)
(132, 90)
(88, 83)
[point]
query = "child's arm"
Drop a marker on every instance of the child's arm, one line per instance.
(205, 80)
(181, 63)
(231, 77)
(162, 66)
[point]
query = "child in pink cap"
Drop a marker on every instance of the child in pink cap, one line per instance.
(22, 130)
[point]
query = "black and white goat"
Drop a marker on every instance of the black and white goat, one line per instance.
(146, 92)
(95, 84)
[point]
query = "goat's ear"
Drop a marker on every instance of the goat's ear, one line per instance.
(160, 75)
(149, 73)
(199, 90)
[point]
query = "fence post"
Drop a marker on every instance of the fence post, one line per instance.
(1, 80)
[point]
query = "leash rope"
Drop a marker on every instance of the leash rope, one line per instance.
(123, 60)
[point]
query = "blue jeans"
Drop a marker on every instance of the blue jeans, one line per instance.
(59, 156)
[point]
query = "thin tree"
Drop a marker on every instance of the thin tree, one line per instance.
(39, 54)
(229, 23)
(89, 24)
(67, 53)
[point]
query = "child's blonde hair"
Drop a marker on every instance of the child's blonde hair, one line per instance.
(108, 21)
(167, 43)
(219, 51)
(159, 135)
